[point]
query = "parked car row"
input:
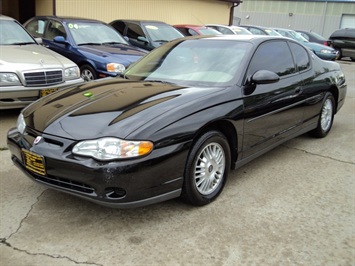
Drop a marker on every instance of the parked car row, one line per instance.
(106, 50)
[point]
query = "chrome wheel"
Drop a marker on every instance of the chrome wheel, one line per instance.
(326, 115)
(209, 168)
(87, 75)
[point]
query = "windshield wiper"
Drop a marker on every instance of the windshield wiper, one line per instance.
(89, 43)
(158, 81)
(110, 43)
(22, 43)
(160, 40)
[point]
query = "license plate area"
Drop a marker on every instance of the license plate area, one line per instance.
(34, 162)
(45, 92)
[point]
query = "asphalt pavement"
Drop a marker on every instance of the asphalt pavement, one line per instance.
(293, 206)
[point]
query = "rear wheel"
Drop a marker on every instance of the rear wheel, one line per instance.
(87, 73)
(206, 169)
(326, 117)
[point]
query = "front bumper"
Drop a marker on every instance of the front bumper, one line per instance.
(122, 184)
(20, 96)
(330, 57)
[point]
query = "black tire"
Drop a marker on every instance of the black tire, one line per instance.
(326, 117)
(340, 55)
(87, 73)
(209, 157)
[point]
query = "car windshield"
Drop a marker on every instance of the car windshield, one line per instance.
(162, 32)
(241, 31)
(272, 32)
(199, 62)
(94, 33)
(11, 33)
(209, 31)
(296, 36)
(318, 36)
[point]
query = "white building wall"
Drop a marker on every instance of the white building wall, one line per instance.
(321, 17)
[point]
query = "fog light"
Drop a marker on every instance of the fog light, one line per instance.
(115, 192)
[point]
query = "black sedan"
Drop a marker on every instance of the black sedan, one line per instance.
(178, 121)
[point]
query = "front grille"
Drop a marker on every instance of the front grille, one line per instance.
(43, 78)
(65, 183)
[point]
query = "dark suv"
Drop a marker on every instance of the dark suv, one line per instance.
(93, 45)
(343, 40)
(146, 34)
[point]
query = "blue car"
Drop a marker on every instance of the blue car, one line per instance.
(322, 51)
(93, 45)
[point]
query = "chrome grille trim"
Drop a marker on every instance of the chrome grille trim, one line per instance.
(42, 78)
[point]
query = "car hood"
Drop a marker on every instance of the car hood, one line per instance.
(30, 57)
(113, 107)
(122, 53)
(317, 46)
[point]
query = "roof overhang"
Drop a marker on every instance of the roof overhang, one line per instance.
(232, 1)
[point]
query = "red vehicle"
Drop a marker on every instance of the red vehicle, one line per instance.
(191, 30)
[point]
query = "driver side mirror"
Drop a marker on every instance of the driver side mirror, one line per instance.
(142, 39)
(60, 39)
(264, 77)
(260, 77)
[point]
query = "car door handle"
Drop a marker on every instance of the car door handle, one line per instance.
(298, 90)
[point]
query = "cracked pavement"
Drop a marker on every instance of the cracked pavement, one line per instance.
(293, 206)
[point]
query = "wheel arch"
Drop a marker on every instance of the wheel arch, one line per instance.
(87, 62)
(334, 90)
(228, 130)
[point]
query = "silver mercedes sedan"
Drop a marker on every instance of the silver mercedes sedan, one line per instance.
(29, 71)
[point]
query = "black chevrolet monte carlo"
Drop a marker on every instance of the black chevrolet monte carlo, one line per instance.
(178, 121)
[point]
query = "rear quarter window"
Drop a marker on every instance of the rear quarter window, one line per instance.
(301, 56)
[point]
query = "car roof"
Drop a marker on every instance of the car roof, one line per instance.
(255, 26)
(281, 29)
(2, 17)
(190, 26)
(142, 21)
(256, 39)
(68, 18)
(220, 25)
(349, 32)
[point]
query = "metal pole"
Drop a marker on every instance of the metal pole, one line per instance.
(54, 8)
(323, 19)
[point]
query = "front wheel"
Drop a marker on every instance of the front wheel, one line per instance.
(326, 117)
(206, 169)
(87, 73)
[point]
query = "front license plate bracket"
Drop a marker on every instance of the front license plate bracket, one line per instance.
(34, 162)
(45, 92)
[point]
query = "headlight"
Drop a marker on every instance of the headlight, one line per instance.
(9, 79)
(112, 148)
(113, 67)
(21, 125)
(324, 51)
(72, 73)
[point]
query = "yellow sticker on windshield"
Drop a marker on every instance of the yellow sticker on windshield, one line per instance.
(151, 27)
(70, 26)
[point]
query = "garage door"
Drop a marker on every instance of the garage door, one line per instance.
(347, 21)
